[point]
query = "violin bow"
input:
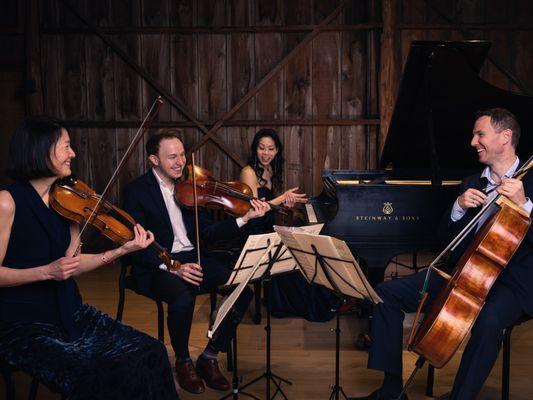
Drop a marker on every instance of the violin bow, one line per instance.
(150, 116)
(195, 198)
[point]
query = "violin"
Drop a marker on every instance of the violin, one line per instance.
(76, 201)
(233, 197)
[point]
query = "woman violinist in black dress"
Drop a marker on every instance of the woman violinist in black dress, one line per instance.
(291, 294)
(264, 175)
(45, 329)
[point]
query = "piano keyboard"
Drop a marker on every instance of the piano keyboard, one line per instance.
(311, 216)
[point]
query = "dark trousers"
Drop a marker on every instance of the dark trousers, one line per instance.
(180, 297)
(501, 310)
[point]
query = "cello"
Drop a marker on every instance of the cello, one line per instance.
(452, 314)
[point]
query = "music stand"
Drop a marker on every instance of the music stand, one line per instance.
(329, 262)
(262, 256)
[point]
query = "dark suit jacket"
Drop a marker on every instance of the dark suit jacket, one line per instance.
(144, 201)
(519, 272)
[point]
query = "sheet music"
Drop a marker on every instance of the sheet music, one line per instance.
(230, 300)
(344, 270)
(253, 262)
(253, 249)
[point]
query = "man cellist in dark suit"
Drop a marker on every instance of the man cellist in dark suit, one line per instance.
(150, 198)
(495, 138)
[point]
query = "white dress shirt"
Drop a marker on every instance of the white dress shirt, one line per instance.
(458, 212)
(181, 241)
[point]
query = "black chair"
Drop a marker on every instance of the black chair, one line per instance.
(127, 281)
(506, 362)
(7, 370)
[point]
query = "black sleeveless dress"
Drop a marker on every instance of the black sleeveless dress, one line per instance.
(45, 329)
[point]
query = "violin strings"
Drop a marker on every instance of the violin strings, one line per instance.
(225, 189)
(233, 192)
(110, 209)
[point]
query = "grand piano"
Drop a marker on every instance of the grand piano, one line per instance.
(396, 209)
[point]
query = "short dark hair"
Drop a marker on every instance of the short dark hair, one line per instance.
(502, 119)
(152, 144)
(29, 148)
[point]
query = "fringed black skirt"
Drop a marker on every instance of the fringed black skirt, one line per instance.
(108, 361)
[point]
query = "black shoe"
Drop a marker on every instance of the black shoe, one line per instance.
(210, 373)
(376, 395)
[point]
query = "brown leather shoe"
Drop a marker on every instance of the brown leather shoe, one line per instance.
(188, 378)
(210, 373)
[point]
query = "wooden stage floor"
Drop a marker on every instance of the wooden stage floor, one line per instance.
(302, 352)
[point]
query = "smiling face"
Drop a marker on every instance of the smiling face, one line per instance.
(61, 155)
(170, 160)
(489, 144)
(266, 150)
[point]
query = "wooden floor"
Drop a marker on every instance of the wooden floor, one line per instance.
(302, 352)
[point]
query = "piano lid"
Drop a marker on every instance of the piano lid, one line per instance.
(445, 77)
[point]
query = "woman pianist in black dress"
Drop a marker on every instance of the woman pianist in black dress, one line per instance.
(45, 329)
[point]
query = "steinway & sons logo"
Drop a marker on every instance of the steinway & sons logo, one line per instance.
(387, 211)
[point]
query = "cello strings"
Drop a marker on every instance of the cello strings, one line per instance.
(466, 230)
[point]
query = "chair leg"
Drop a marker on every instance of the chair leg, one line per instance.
(121, 295)
(10, 386)
(430, 380)
(506, 362)
(257, 297)
(213, 301)
(33, 389)
(160, 321)
(229, 356)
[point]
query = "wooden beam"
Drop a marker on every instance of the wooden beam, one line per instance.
(220, 30)
(232, 123)
(474, 27)
(389, 69)
(173, 100)
(216, 30)
(271, 74)
(34, 93)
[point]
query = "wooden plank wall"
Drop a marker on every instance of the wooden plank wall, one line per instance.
(325, 103)
(11, 75)
(211, 70)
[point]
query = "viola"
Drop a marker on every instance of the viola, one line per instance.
(76, 201)
(233, 197)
